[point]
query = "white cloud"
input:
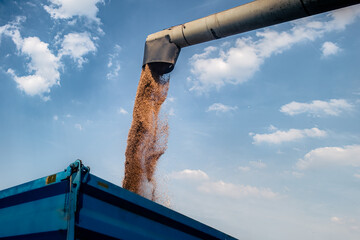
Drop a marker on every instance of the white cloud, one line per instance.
(331, 156)
(66, 9)
(244, 169)
(220, 108)
(68, 115)
(170, 99)
(287, 136)
(172, 112)
(2, 30)
(221, 188)
(12, 30)
(73, 22)
(272, 128)
(169, 110)
(190, 174)
(113, 63)
(233, 66)
(329, 48)
(349, 223)
(335, 220)
(56, 117)
(357, 175)
(219, 66)
(253, 164)
(343, 17)
(236, 191)
(114, 71)
(257, 164)
(43, 67)
(78, 126)
(77, 45)
(297, 174)
(122, 111)
(116, 51)
(318, 108)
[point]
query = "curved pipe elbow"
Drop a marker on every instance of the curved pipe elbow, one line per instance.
(161, 54)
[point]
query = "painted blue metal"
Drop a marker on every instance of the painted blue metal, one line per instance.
(77, 172)
(75, 204)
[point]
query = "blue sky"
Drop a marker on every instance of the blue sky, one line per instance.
(264, 126)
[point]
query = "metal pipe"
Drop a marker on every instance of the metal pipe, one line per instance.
(247, 17)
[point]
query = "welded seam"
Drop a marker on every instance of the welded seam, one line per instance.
(214, 33)
(182, 31)
(217, 27)
(305, 9)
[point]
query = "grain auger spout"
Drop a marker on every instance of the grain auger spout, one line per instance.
(162, 48)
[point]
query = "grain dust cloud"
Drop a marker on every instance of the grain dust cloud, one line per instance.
(147, 139)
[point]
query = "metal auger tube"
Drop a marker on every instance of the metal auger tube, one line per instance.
(162, 48)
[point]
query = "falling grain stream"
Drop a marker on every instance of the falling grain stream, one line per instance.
(147, 139)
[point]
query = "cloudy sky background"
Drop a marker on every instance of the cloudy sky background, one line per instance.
(264, 126)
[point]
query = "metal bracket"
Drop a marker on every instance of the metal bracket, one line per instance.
(77, 173)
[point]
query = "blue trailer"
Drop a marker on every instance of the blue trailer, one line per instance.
(75, 204)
